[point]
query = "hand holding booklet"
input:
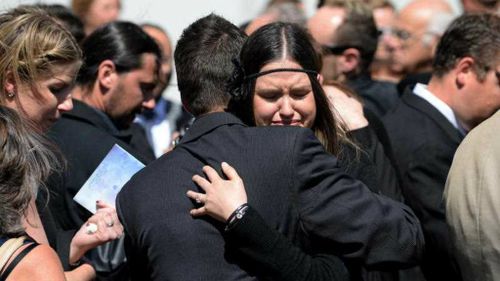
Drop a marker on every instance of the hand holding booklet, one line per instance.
(108, 178)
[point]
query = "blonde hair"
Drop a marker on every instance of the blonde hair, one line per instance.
(31, 44)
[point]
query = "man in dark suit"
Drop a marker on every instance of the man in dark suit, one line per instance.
(115, 82)
(290, 180)
(429, 123)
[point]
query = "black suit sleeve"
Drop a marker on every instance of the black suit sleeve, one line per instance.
(276, 257)
(343, 217)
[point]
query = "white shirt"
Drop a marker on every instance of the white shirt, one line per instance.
(422, 91)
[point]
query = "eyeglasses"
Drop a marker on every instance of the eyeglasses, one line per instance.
(401, 34)
(385, 31)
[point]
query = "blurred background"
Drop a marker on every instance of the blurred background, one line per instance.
(174, 16)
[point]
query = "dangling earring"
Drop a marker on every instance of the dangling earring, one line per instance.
(10, 94)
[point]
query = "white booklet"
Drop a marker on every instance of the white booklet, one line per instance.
(108, 178)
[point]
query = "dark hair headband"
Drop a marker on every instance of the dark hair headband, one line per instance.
(258, 74)
(239, 77)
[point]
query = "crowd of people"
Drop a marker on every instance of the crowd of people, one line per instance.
(357, 144)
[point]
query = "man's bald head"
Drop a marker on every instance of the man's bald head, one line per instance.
(418, 28)
(325, 22)
(421, 12)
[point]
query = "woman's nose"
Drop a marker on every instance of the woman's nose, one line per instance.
(286, 108)
(66, 104)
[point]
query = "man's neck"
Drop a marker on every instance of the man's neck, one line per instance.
(438, 87)
(90, 97)
(441, 88)
(213, 110)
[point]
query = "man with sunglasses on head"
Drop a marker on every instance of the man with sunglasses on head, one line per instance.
(348, 35)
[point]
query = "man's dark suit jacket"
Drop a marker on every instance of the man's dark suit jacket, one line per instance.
(378, 96)
(85, 136)
(290, 180)
(424, 143)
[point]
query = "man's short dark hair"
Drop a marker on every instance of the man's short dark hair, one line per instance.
(203, 61)
(122, 42)
(471, 35)
(358, 30)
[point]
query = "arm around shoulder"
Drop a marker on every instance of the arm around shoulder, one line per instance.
(339, 210)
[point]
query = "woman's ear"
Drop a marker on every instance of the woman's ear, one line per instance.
(320, 79)
(9, 85)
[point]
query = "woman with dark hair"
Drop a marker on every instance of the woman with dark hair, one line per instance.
(278, 83)
(261, 64)
(25, 162)
(38, 65)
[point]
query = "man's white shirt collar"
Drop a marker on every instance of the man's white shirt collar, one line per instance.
(422, 91)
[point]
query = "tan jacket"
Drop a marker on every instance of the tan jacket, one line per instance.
(472, 198)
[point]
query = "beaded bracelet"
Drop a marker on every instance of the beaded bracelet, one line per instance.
(236, 216)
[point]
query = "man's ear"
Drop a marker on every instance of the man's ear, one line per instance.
(106, 74)
(464, 71)
(351, 58)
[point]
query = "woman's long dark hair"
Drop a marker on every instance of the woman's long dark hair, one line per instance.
(26, 160)
(270, 43)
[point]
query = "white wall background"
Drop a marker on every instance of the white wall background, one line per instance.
(175, 15)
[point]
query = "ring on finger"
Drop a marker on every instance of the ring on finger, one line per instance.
(110, 224)
(91, 228)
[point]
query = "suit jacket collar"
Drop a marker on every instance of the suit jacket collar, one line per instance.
(208, 122)
(85, 113)
(419, 104)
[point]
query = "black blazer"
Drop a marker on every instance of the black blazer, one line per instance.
(378, 96)
(424, 143)
(84, 138)
(290, 180)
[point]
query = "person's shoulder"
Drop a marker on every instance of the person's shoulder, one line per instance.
(267, 131)
(75, 130)
(148, 177)
(484, 138)
(279, 138)
(385, 87)
(41, 263)
(404, 117)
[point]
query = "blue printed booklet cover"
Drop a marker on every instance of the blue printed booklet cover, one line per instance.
(108, 179)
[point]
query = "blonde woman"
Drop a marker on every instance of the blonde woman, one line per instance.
(39, 61)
